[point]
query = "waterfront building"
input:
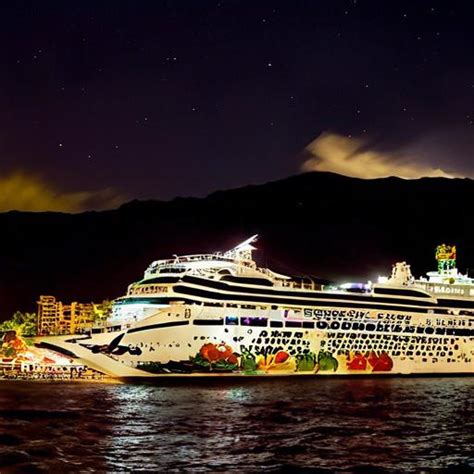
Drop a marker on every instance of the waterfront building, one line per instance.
(47, 315)
(57, 318)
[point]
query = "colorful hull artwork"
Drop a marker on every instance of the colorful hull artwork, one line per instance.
(220, 358)
(125, 359)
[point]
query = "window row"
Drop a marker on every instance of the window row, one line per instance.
(254, 322)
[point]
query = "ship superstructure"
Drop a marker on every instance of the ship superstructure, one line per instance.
(447, 282)
(214, 314)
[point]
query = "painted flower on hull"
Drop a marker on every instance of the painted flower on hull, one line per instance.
(216, 357)
(327, 362)
(357, 362)
(382, 363)
(215, 352)
(372, 362)
(307, 362)
(279, 361)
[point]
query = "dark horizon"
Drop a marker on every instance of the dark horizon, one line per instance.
(236, 188)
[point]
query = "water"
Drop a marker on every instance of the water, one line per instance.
(319, 425)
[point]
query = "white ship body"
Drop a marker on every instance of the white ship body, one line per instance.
(220, 314)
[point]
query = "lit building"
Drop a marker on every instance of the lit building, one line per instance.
(47, 315)
(56, 318)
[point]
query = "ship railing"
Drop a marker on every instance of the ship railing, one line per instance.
(202, 257)
(170, 263)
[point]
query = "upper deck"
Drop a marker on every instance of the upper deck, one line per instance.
(447, 283)
(218, 265)
(237, 266)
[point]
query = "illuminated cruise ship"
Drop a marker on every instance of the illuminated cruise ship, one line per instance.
(220, 314)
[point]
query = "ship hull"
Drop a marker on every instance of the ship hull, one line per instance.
(191, 342)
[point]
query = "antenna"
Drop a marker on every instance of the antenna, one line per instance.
(246, 244)
(243, 250)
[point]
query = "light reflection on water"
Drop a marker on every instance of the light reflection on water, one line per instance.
(327, 425)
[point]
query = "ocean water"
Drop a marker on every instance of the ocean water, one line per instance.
(422, 425)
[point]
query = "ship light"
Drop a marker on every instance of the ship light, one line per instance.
(232, 320)
(355, 286)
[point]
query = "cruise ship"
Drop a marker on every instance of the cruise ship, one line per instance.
(220, 314)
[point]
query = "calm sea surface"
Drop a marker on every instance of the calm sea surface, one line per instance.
(318, 425)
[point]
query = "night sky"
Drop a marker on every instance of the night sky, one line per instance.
(103, 102)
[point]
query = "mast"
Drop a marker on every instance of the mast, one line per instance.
(243, 251)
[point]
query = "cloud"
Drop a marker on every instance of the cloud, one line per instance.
(356, 158)
(24, 192)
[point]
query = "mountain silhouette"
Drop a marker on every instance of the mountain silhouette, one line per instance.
(323, 224)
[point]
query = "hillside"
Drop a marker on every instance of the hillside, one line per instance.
(319, 223)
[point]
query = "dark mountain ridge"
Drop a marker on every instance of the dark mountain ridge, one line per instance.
(322, 224)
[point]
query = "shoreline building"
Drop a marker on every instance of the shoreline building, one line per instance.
(57, 318)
